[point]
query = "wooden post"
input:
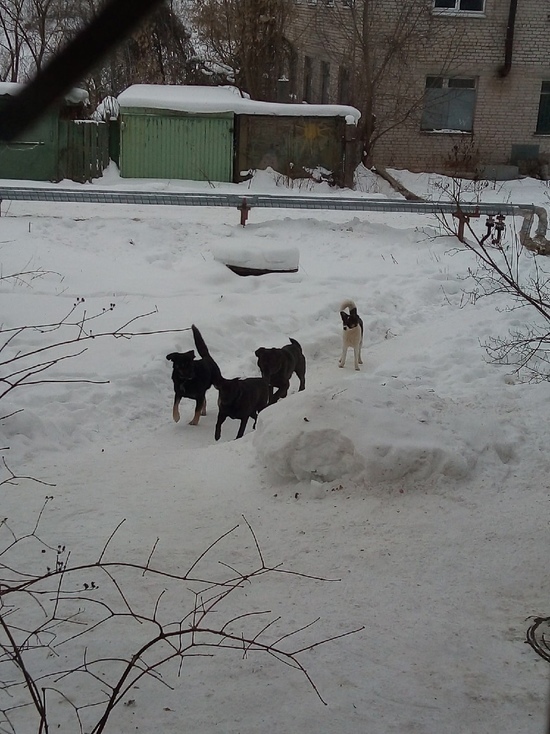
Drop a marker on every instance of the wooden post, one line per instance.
(244, 208)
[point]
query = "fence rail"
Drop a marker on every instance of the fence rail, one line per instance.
(265, 201)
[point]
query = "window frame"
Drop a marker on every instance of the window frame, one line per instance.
(544, 109)
(344, 85)
(307, 87)
(457, 10)
(325, 82)
(449, 100)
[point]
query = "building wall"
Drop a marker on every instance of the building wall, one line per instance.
(458, 44)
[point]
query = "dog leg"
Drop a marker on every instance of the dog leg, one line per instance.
(219, 423)
(342, 360)
(242, 427)
(360, 347)
(198, 407)
(356, 357)
(175, 409)
(302, 377)
(203, 409)
(282, 392)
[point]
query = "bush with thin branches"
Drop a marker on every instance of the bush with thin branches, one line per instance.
(55, 614)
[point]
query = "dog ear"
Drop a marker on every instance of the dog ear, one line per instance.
(343, 316)
(259, 351)
(174, 356)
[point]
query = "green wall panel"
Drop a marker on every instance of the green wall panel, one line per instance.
(158, 144)
(33, 155)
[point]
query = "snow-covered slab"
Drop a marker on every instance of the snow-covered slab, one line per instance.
(210, 100)
(248, 261)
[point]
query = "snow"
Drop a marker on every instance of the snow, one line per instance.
(263, 257)
(73, 96)
(210, 100)
(417, 486)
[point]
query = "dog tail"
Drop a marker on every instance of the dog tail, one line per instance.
(297, 344)
(202, 349)
(348, 303)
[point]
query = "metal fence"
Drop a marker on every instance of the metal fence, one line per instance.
(260, 201)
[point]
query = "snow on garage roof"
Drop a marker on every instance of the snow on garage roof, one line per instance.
(73, 96)
(222, 99)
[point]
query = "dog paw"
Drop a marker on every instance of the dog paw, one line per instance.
(340, 364)
(357, 369)
(176, 418)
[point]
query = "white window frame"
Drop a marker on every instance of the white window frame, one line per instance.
(457, 10)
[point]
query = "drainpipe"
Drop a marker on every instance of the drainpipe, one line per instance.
(509, 43)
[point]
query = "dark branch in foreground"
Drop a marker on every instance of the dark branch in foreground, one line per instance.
(48, 616)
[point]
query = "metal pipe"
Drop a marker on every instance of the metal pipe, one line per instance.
(262, 201)
(509, 42)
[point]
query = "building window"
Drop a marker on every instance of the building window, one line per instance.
(543, 121)
(308, 78)
(344, 90)
(449, 104)
(464, 6)
(325, 81)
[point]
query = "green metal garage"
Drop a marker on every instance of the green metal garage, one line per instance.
(176, 132)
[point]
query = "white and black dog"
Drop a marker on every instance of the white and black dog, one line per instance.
(353, 333)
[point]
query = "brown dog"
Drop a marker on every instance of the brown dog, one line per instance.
(278, 365)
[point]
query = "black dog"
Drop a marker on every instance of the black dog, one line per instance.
(278, 365)
(238, 398)
(192, 378)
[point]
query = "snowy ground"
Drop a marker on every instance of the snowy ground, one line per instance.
(420, 483)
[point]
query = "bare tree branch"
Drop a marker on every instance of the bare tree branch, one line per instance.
(209, 625)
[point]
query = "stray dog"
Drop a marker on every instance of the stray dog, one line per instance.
(278, 365)
(353, 333)
(192, 378)
(238, 398)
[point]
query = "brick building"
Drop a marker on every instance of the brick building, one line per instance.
(449, 85)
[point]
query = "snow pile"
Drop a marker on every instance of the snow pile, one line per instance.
(259, 258)
(378, 434)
